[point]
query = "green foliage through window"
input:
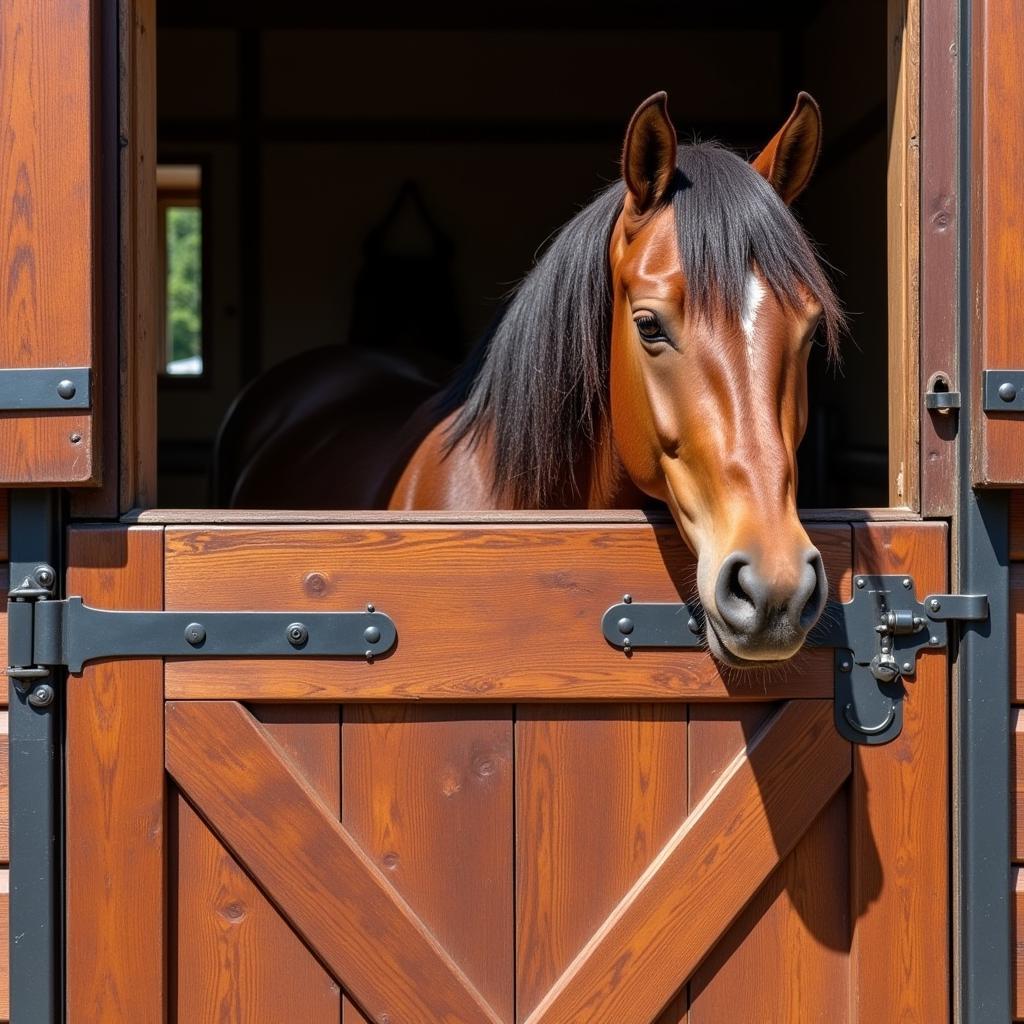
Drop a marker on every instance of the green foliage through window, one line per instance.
(184, 289)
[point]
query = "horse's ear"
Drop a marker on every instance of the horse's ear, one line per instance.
(649, 154)
(788, 160)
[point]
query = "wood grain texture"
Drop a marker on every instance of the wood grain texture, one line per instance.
(704, 876)
(1017, 807)
(236, 957)
(295, 849)
(799, 917)
(51, 237)
(903, 236)
(428, 796)
(600, 790)
(940, 33)
(996, 264)
(900, 815)
(115, 813)
(500, 635)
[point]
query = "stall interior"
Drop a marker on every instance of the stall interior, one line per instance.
(335, 177)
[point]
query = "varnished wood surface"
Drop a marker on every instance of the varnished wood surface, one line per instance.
(899, 816)
(1017, 630)
(428, 795)
(683, 903)
(519, 619)
(903, 38)
(1018, 941)
(1017, 806)
(51, 236)
(115, 827)
(600, 790)
(327, 887)
(997, 263)
(236, 957)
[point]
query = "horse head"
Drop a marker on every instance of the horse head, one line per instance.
(717, 297)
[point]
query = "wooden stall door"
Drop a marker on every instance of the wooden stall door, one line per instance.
(504, 820)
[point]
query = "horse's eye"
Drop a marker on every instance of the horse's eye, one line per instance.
(649, 328)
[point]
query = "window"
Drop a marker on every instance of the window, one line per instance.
(180, 211)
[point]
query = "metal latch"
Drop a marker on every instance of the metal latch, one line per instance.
(877, 635)
(46, 633)
(37, 389)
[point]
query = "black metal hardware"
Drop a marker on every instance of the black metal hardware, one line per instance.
(1003, 390)
(939, 398)
(70, 633)
(44, 389)
(878, 636)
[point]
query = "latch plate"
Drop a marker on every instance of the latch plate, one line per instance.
(43, 389)
(878, 636)
(1003, 390)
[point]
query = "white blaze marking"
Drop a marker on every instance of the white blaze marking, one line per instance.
(753, 296)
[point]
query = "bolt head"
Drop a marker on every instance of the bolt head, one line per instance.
(1007, 392)
(625, 626)
(907, 582)
(934, 604)
(297, 634)
(934, 641)
(627, 598)
(75, 438)
(42, 696)
(195, 634)
(371, 635)
(861, 582)
(44, 576)
(845, 666)
(370, 608)
(66, 389)
(693, 625)
(907, 667)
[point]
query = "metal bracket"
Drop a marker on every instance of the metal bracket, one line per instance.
(878, 636)
(1002, 390)
(45, 389)
(47, 633)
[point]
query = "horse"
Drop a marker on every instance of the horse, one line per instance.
(658, 350)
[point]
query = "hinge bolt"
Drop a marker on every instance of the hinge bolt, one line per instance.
(66, 389)
(195, 634)
(44, 576)
(934, 641)
(627, 598)
(1007, 392)
(371, 635)
(845, 666)
(861, 582)
(907, 582)
(934, 604)
(42, 696)
(907, 667)
(370, 608)
(625, 626)
(693, 625)
(297, 634)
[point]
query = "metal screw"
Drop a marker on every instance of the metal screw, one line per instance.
(297, 634)
(1007, 392)
(934, 604)
(66, 389)
(370, 608)
(907, 667)
(625, 626)
(42, 696)
(195, 633)
(934, 641)
(627, 598)
(694, 625)
(907, 582)
(369, 655)
(371, 635)
(860, 582)
(845, 666)
(44, 576)
(75, 438)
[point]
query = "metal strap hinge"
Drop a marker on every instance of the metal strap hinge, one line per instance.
(877, 635)
(47, 633)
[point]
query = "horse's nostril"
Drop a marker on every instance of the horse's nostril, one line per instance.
(736, 593)
(811, 598)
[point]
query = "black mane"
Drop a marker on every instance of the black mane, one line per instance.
(538, 386)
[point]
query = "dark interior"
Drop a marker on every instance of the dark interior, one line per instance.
(344, 150)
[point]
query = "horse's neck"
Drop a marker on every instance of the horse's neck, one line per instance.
(605, 482)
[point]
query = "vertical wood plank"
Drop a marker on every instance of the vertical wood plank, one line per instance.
(1017, 808)
(600, 789)
(427, 793)
(49, 313)
(1018, 942)
(115, 795)
(237, 959)
(1017, 630)
(5, 944)
(903, 233)
(899, 852)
